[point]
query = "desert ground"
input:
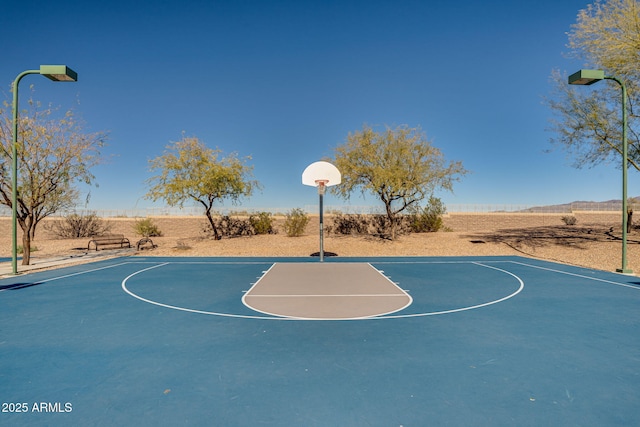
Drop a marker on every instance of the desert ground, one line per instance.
(594, 241)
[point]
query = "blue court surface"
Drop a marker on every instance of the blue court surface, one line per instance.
(486, 341)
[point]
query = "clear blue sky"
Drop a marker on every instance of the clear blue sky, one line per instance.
(286, 81)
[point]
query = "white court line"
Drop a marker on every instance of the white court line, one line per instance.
(248, 295)
(264, 273)
(376, 262)
(52, 279)
(379, 317)
(524, 264)
(578, 275)
(189, 310)
(326, 295)
(482, 263)
(473, 307)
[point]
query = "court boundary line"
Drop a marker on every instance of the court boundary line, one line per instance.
(78, 273)
(596, 279)
(267, 261)
(534, 266)
(376, 262)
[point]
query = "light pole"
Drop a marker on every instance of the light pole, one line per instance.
(57, 73)
(588, 77)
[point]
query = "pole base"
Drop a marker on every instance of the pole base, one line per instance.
(624, 270)
(326, 253)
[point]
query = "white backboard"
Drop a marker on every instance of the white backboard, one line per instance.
(321, 171)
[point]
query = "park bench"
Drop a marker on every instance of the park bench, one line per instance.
(109, 240)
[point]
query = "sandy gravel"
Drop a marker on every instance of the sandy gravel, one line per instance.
(595, 245)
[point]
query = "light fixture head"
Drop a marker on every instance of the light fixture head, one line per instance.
(59, 73)
(586, 77)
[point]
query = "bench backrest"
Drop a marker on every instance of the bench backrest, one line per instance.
(109, 237)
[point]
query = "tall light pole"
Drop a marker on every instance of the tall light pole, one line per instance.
(589, 77)
(57, 73)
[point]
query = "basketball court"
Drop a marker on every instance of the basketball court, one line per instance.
(401, 341)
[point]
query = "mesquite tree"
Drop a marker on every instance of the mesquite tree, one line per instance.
(190, 171)
(399, 166)
(54, 154)
(587, 121)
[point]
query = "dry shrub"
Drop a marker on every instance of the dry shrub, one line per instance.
(74, 226)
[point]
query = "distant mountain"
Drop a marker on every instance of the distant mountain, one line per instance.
(582, 205)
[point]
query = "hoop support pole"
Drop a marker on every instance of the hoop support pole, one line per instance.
(321, 226)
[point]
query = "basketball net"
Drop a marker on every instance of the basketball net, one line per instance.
(322, 185)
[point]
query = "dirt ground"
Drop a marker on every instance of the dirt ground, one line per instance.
(593, 242)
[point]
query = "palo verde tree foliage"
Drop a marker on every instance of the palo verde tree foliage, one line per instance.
(54, 154)
(399, 166)
(190, 171)
(587, 121)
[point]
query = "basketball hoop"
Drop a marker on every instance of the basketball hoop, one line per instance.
(321, 171)
(322, 185)
(321, 175)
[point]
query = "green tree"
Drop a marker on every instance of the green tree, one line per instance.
(399, 166)
(190, 171)
(54, 154)
(587, 123)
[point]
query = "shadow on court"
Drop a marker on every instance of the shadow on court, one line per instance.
(484, 341)
(15, 286)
